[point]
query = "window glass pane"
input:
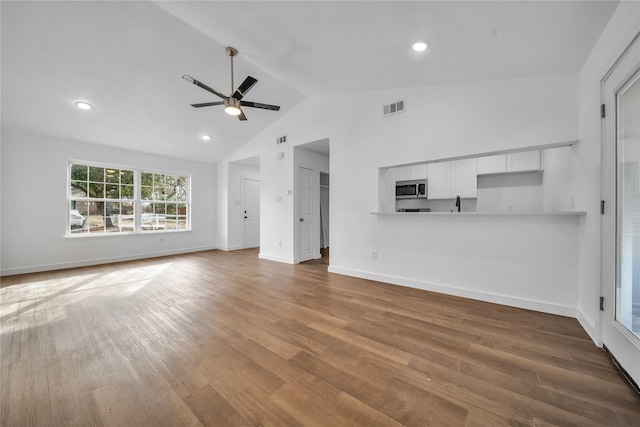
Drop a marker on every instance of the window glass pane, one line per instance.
(170, 193)
(147, 207)
(78, 189)
(158, 179)
(160, 208)
(146, 193)
(127, 192)
(181, 190)
(96, 174)
(77, 217)
(113, 191)
(96, 217)
(113, 175)
(126, 219)
(146, 178)
(111, 217)
(126, 177)
(96, 190)
(79, 172)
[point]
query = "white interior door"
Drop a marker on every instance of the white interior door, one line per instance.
(306, 218)
(621, 221)
(251, 196)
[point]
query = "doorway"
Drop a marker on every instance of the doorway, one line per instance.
(621, 220)
(311, 201)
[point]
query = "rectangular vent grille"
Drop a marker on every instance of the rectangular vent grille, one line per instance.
(393, 108)
(281, 139)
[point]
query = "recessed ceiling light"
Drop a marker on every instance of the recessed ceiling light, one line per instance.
(420, 46)
(205, 137)
(83, 105)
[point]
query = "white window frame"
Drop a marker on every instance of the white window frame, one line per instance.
(137, 201)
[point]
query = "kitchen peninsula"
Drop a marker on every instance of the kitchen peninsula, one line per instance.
(515, 240)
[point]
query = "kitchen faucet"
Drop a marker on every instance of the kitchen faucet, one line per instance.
(458, 203)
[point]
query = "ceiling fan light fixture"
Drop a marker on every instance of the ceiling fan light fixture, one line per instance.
(232, 107)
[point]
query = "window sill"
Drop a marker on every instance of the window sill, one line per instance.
(122, 234)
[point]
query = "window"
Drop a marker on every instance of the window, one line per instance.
(105, 199)
(164, 201)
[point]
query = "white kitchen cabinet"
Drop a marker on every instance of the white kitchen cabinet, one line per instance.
(439, 180)
(514, 162)
(525, 161)
(464, 178)
(404, 173)
(492, 164)
(450, 179)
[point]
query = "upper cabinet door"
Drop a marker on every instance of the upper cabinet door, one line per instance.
(526, 161)
(439, 184)
(492, 164)
(404, 173)
(464, 178)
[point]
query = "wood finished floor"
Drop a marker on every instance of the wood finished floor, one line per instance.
(225, 339)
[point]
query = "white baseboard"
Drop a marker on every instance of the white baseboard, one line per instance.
(589, 326)
(99, 261)
(276, 258)
(229, 248)
(541, 306)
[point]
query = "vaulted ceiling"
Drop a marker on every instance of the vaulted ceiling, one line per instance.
(127, 59)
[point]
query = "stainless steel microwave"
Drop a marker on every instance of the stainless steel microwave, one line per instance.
(412, 189)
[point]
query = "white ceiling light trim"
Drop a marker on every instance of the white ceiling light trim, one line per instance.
(83, 105)
(419, 46)
(205, 137)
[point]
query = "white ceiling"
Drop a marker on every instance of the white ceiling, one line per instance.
(127, 59)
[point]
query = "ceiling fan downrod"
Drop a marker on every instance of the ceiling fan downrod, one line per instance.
(232, 52)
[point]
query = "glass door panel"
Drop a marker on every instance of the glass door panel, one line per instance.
(628, 205)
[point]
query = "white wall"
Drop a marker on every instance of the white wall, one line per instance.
(34, 206)
(587, 179)
(439, 122)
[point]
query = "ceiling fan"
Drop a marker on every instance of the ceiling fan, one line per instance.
(233, 103)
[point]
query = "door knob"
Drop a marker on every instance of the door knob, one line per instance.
(245, 217)
(301, 219)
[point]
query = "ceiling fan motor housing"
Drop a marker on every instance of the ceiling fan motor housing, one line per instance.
(232, 106)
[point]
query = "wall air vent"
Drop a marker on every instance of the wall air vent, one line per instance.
(393, 108)
(281, 139)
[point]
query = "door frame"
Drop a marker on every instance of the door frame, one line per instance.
(619, 342)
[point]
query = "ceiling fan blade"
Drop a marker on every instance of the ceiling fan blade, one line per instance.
(203, 86)
(246, 85)
(259, 105)
(207, 104)
(241, 116)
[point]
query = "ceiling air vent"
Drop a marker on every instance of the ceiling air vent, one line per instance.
(393, 108)
(281, 139)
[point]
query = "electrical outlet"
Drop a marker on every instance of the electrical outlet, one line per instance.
(279, 244)
(374, 255)
(572, 202)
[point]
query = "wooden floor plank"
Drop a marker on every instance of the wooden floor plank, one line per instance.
(224, 338)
